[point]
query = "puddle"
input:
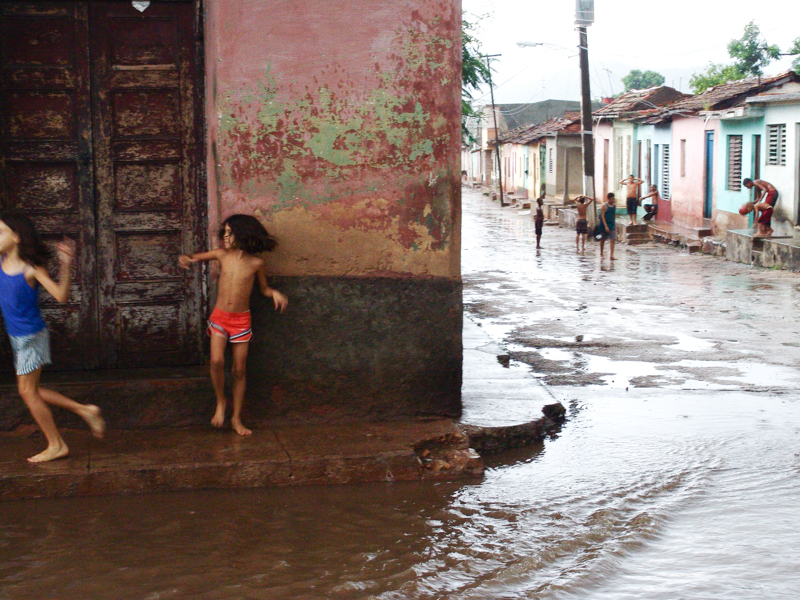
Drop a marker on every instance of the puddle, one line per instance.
(687, 343)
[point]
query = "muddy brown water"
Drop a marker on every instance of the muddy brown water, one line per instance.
(676, 476)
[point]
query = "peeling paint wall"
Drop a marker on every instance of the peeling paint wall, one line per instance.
(337, 124)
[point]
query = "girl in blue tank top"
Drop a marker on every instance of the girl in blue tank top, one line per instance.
(22, 256)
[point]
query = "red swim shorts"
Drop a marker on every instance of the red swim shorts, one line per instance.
(771, 198)
(766, 216)
(235, 327)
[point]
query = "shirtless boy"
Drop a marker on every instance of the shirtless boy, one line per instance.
(632, 184)
(582, 226)
(765, 200)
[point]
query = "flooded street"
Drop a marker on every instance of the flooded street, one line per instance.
(677, 474)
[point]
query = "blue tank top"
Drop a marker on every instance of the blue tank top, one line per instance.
(20, 304)
(611, 216)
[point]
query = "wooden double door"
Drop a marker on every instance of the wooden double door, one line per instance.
(100, 145)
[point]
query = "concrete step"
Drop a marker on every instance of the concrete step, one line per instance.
(702, 232)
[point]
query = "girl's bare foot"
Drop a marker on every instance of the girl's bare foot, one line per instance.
(219, 416)
(612, 258)
(91, 414)
(239, 428)
(51, 453)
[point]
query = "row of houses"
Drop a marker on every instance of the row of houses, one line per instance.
(696, 149)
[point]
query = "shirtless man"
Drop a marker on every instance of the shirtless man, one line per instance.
(582, 226)
(764, 202)
(632, 184)
(652, 208)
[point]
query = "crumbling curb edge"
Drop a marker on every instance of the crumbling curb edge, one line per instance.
(492, 440)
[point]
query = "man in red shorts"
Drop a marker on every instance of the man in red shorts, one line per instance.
(765, 200)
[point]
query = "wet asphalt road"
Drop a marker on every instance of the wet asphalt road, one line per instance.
(656, 318)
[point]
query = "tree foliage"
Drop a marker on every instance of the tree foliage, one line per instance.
(795, 49)
(715, 74)
(474, 73)
(638, 80)
(750, 54)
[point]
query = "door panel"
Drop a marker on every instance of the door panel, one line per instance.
(146, 168)
(46, 157)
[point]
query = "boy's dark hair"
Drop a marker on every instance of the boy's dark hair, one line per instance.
(610, 196)
(31, 249)
(746, 181)
(540, 201)
(249, 234)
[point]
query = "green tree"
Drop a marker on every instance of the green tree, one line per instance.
(750, 54)
(714, 75)
(637, 80)
(795, 49)
(474, 73)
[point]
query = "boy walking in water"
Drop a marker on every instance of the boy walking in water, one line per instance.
(539, 221)
(632, 184)
(608, 220)
(243, 237)
(582, 226)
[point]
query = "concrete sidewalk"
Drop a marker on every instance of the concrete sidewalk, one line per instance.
(205, 458)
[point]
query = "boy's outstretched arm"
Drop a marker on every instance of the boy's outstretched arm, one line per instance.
(186, 260)
(60, 290)
(280, 300)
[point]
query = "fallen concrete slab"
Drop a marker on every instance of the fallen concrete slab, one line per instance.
(180, 459)
(492, 440)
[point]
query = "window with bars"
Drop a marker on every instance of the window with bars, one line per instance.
(734, 163)
(776, 152)
(683, 158)
(628, 156)
(550, 168)
(665, 192)
(617, 159)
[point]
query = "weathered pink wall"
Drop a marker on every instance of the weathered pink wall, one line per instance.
(602, 131)
(688, 191)
(337, 123)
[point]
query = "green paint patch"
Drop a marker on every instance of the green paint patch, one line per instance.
(317, 146)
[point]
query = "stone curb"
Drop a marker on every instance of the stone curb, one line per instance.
(492, 440)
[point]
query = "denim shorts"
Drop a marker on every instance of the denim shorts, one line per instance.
(31, 352)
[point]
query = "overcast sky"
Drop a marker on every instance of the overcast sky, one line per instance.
(675, 38)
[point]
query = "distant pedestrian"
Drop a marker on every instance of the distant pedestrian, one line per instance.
(652, 208)
(632, 184)
(608, 216)
(539, 221)
(243, 237)
(22, 259)
(582, 226)
(766, 197)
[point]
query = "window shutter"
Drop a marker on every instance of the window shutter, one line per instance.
(665, 192)
(776, 151)
(735, 162)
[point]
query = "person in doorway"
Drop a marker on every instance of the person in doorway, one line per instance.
(582, 226)
(652, 207)
(243, 237)
(632, 184)
(538, 221)
(22, 256)
(766, 197)
(608, 220)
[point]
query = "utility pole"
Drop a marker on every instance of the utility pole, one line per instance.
(496, 131)
(584, 15)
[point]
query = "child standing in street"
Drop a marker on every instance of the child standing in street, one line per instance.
(538, 221)
(582, 225)
(22, 256)
(243, 236)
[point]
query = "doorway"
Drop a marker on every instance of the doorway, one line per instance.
(101, 145)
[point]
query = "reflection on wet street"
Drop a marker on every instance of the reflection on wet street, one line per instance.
(677, 474)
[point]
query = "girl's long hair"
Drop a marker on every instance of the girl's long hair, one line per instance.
(248, 234)
(31, 249)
